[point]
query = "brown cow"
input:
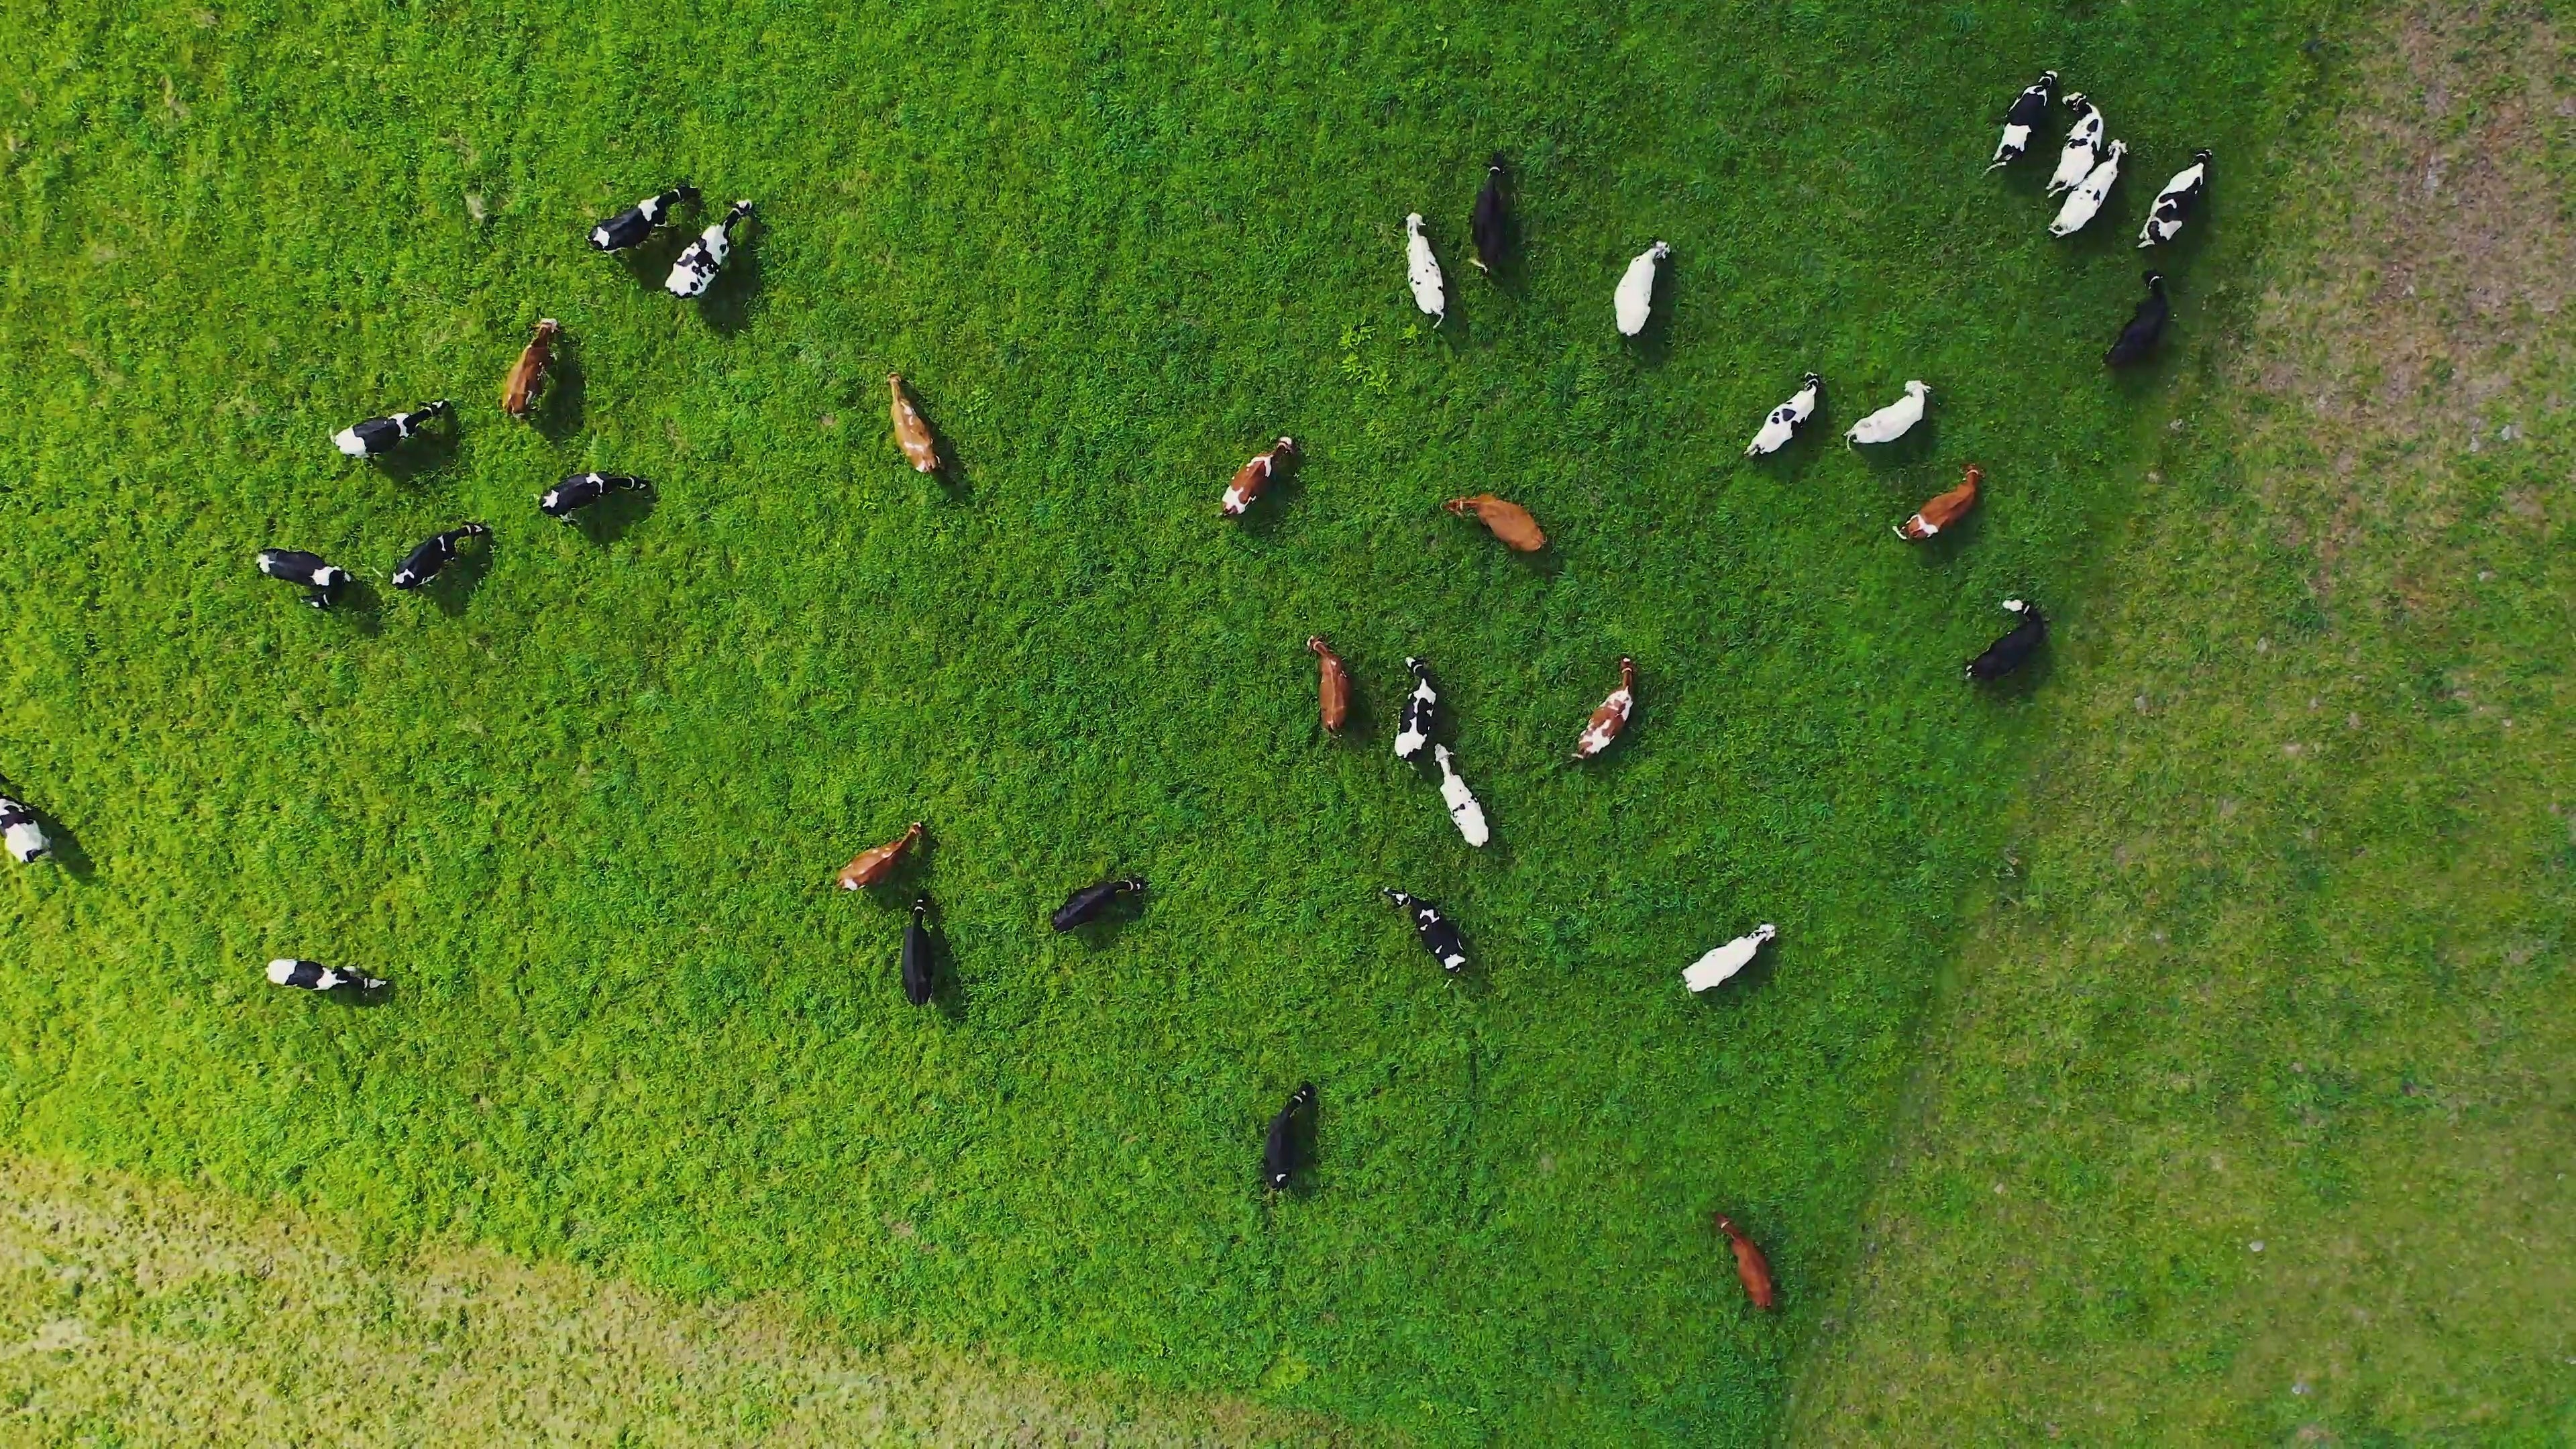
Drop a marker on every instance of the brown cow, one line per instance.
(877, 862)
(528, 374)
(1612, 716)
(1750, 1265)
(920, 448)
(1334, 685)
(1945, 510)
(1254, 476)
(1510, 522)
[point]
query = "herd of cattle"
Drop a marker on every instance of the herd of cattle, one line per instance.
(2086, 171)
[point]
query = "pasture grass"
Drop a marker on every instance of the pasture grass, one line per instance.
(2249, 1116)
(581, 801)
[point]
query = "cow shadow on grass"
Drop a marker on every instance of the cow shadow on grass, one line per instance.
(734, 296)
(1919, 445)
(1102, 931)
(63, 846)
(1654, 342)
(605, 522)
(557, 415)
(453, 589)
(1755, 978)
(1287, 486)
(360, 607)
(424, 453)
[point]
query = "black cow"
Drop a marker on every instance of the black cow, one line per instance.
(423, 563)
(1279, 1149)
(916, 955)
(580, 490)
(2014, 649)
(378, 436)
(1491, 222)
(630, 227)
(1437, 933)
(2146, 326)
(1089, 901)
(322, 581)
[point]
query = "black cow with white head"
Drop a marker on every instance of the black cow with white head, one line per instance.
(323, 582)
(629, 228)
(423, 563)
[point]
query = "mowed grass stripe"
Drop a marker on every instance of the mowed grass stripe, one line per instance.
(583, 812)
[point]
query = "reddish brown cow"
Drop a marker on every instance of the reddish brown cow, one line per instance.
(1945, 510)
(1510, 522)
(1750, 1265)
(528, 374)
(1612, 716)
(1255, 476)
(1333, 685)
(877, 862)
(911, 431)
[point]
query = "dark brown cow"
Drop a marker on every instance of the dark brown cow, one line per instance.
(1750, 1265)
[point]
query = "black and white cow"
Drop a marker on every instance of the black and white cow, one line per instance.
(314, 976)
(2176, 201)
(630, 227)
(2146, 326)
(378, 436)
(1091, 900)
(2083, 149)
(1782, 423)
(423, 563)
(2028, 110)
(580, 490)
(2014, 649)
(1279, 1148)
(25, 834)
(1437, 933)
(1420, 717)
(322, 581)
(696, 269)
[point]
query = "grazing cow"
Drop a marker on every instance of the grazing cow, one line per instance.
(2086, 200)
(2175, 202)
(1784, 421)
(1279, 1147)
(1894, 420)
(1089, 901)
(877, 862)
(911, 430)
(1253, 477)
(1333, 684)
(1490, 224)
(1728, 959)
(1420, 717)
(24, 833)
(1463, 808)
(916, 955)
(630, 227)
(1635, 298)
(423, 563)
(696, 269)
(528, 374)
(1437, 933)
(1944, 510)
(314, 976)
(1422, 270)
(580, 490)
(2083, 149)
(2027, 110)
(378, 436)
(1508, 520)
(1612, 716)
(2014, 649)
(1750, 1265)
(322, 582)
(2146, 326)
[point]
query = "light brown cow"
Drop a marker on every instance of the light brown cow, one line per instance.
(1612, 716)
(1255, 476)
(1945, 510)
(877, 862)
(1510, 522)
(1333, 685)
(911, 431)
(1750, 1265)
(528, 374)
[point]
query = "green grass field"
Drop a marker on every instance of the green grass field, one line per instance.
(582, 805)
